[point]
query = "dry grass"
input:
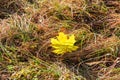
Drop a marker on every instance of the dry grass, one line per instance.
(26, 27)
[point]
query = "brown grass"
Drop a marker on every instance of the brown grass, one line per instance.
(27, 26)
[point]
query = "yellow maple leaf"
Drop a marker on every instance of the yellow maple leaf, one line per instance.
(63, 44)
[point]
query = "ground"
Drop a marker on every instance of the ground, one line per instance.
(26, 29)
